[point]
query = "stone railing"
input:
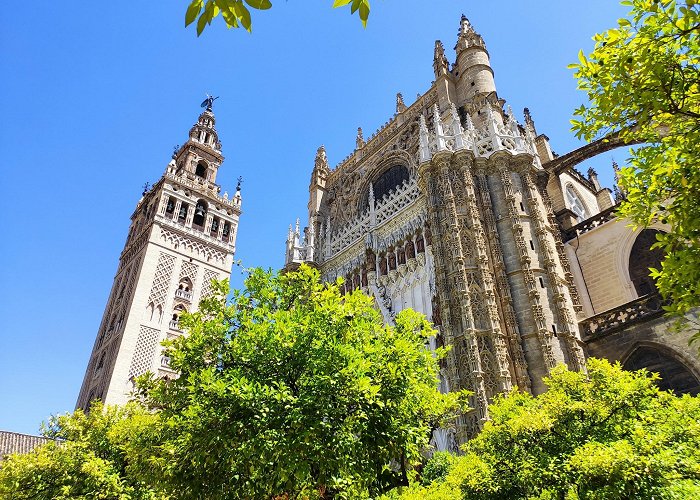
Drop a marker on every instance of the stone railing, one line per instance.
(449, 135)
(210, 188)
(591, 223)
(642, 309)
(224, 243)
(378, 213)
(183, 294)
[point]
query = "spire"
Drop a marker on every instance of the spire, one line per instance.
(440, 63)
(467, 36)
(618, 191)
(359, 140)
(321, 161)
(204, 131)
(529, 122)
(400, 106)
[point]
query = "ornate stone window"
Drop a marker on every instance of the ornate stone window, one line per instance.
(575, 203)
(388, 181)
(642, 258)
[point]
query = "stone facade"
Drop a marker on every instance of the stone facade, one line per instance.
(182, 235)
(457, 210)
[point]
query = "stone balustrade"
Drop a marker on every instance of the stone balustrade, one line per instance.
(591, 223)
(641, 309)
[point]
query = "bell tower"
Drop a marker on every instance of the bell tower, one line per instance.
(182, 235)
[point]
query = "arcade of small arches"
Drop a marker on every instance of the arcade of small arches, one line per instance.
(213, 226)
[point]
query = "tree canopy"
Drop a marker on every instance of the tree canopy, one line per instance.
(86, 460)
(294, 389)
(643, 82)
(236, 13)
(609, 434)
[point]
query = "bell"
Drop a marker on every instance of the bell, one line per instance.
(199, 211)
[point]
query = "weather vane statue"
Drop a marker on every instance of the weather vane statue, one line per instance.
(208, 102)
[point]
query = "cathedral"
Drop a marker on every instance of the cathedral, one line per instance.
(456, 209)
(453, 208)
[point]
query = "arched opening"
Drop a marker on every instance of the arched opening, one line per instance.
(388, 181)
(674, 374)
(575, 203)
(184, 289)
(201, 170)
(182, 215)
(642, 257)
(200, 214)
(170, 206)
(175, 320)
(215, 226)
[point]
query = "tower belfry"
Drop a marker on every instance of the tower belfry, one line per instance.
(182, 235)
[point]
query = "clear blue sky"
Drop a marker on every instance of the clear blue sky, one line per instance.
(94, 97)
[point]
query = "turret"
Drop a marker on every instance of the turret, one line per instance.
(317, 191)
(472, 68)
(200, 157)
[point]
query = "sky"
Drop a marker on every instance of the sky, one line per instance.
(94, 98)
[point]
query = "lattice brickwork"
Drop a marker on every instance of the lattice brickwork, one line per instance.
(164, 270)
(144, 352)
(182, 242)
(206, 283)
(189, 270)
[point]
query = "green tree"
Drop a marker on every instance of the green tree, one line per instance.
(608, 434)
(236, 13)
(643, 83)
(293, 389)
(86, 460)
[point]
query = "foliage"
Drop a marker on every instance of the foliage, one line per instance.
(611, 434)
(643, 82)
(86, 460)
(294, 389)
(236, 13)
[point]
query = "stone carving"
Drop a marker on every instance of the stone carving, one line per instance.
(145, 351)
(206, 283)
(161, 281)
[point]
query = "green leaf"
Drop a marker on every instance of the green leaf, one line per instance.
(340, 3)
(259, 4)
(194, 8)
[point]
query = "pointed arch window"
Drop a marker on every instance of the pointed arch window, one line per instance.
(388, 181)
(184, 289)
(575, 203)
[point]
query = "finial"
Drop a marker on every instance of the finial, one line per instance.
(528, 117)
(208, 102)
(440, 63)
(464, 25)
(591, 172)
(468, 37)
(176, 148)
(238, 184)
(146, 187)
(400, 106)
(321, 161)
(359, 140)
